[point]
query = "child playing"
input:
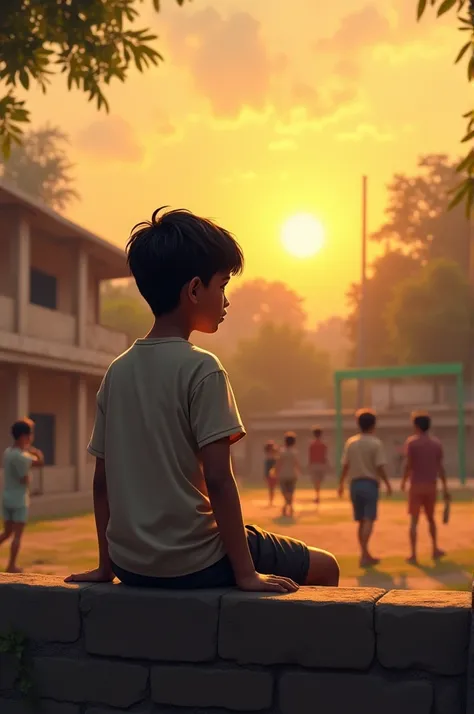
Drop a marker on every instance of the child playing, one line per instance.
(271, 457)
(424, 466)
(364, 465)
(318, 461)
(288, 469)
(18, 459)
(166, 503)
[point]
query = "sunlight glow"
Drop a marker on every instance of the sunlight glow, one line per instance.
(302, 235)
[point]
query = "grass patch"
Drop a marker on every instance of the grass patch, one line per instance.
(36, 520)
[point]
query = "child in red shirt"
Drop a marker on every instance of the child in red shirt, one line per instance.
(318, 461)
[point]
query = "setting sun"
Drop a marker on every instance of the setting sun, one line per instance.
(302, 235)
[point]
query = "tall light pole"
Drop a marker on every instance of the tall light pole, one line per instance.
(363, 297)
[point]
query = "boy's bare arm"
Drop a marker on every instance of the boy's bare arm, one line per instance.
(38, 460)
(406, 473)
(444, 483)
(225, 501)
(342, 480)
(103, 573)
(382, 474)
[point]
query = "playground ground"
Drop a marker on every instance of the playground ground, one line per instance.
(62, 546)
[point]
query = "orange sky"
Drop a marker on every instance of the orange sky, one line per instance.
(263, 110)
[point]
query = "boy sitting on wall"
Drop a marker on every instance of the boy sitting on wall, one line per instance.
(166, 503)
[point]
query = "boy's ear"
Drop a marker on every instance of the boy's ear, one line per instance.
(193, 289)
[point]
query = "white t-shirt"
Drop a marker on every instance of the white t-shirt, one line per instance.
(16, 465)
(158, 405)
(363, 454)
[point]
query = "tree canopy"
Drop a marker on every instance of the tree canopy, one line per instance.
(418, 230)
(464, 193)
(417, 219)
(388, 271)
(91, 42)
(278, 366)
(40, 167)
(430, 316)
(124, 310)
(254, 303)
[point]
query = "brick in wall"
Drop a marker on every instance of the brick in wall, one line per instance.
(450, 695)
(151, 624)
(336, 693)
(314, 627)
(16, 706)
(89, 680)
(27, 604)
(232, 688)
(423, 630)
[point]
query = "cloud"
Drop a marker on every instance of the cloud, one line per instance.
(356, 30)
(231, 65)
(363, 132)
(227, 58)
(361, 32)
(161, 123)
(111, 138)
(324, 101)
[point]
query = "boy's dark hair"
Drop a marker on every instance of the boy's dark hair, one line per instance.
(269, 446)
(173, 248)
(366, 420)
(317, 432)
(290, 438)
(22, 427)
(422, 422)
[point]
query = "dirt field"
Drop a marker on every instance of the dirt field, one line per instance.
(62, 546)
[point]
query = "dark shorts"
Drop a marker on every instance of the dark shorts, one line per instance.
(364, 496)
(287, 487)
(272, 555)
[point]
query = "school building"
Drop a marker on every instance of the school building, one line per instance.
(53, 349)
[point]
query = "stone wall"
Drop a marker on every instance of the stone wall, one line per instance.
(106, 648)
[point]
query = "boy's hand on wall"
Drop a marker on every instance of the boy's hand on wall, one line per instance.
(267, 583)
(99, 575)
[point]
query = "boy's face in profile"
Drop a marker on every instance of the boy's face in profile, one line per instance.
(209, 302)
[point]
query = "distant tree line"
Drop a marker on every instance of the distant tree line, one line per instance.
(419, 294)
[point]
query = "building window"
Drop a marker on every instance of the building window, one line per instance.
(43, 289)
(45, 436)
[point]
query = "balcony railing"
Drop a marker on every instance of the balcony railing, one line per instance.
(59, 328)
(7, 314)
(103, 339)
(51, 325)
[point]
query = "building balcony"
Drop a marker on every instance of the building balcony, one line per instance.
(51, 325)
(7, 314)
(103, 339)
(50, 340)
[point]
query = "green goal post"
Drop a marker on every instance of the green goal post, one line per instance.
(421, 370)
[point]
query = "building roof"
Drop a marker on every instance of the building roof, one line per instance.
(110, 256)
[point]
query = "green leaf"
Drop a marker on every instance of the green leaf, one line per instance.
(467, 164)
(470, 69)
(460, 192)
(446, 6)
(24, 79)
(463, 52)
(470, 199)
(421, 8)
